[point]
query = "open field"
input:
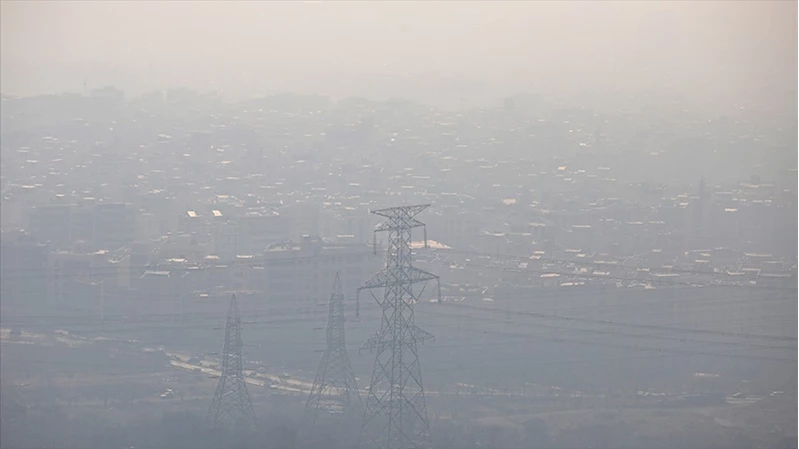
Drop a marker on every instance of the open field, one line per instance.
(118, 383)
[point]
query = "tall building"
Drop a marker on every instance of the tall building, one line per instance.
(227, 240)
(107, 226)
(302, 218)
(114, 226)
(51, 224)
(298, 274)
(700, 210)
(23, 269)
(81, 224)
(77, 278)
(259, 229)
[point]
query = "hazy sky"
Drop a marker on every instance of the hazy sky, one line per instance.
(714, 48)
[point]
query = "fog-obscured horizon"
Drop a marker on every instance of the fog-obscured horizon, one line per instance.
(455, 54)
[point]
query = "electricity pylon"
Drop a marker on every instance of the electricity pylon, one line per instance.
(231, 404)
(334, 388)
(396, 413)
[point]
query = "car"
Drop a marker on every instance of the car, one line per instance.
(167, 394)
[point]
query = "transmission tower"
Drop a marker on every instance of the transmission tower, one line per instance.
(396, 413)
(231, 404)
(334, 388)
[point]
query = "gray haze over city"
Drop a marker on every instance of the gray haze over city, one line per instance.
(319, 224)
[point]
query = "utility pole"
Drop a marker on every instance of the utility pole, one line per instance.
(231, 403)
(334, 387)
(396, 413)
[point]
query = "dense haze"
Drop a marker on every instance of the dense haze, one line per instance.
(716, 53)
(196, 198)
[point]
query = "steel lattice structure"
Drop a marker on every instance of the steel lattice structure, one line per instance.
(334, 388)
(395, 416)
(231, 404)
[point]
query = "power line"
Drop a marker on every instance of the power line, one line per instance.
(631, 325)
(114, 270)
(623, 346)
(177, 328)
(36, 321)
(459, 369)
(724, 299)
(594, 263)
(622, 334)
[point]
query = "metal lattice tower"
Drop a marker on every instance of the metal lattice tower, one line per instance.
(334, 388)
(231, 404)
(396, 413)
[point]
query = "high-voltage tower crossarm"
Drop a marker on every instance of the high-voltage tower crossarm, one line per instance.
(390, 275)
(401, 221)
